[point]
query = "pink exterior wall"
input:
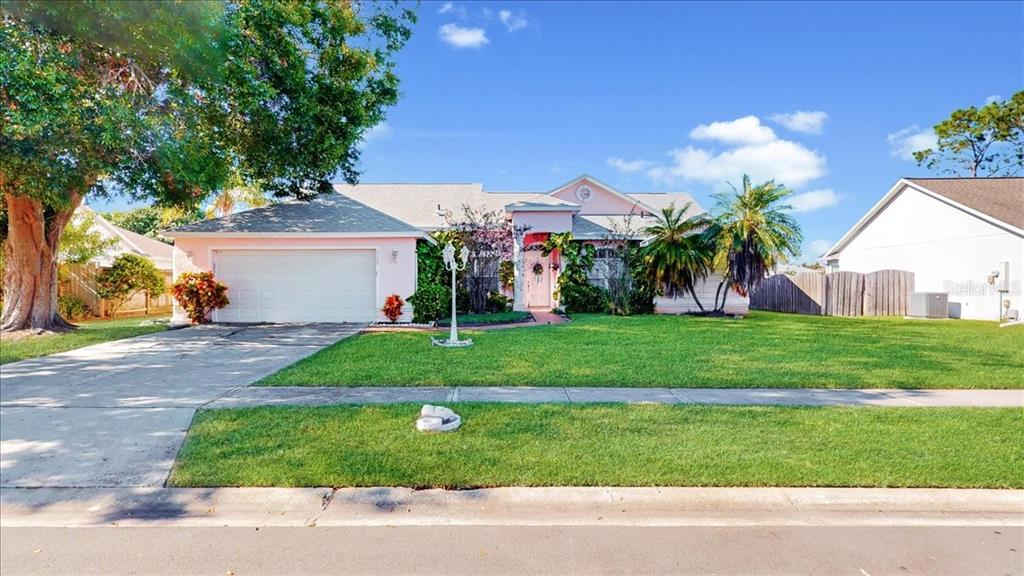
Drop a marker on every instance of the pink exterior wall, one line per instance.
(544, 221)
(394, 276)
(601, 201)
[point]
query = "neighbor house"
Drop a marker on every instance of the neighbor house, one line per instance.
(79, 280)
(337, 257)
(961, 236)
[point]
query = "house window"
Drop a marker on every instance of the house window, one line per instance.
(608, 266)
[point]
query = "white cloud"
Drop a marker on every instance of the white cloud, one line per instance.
(746, 130)
(904, 143)
(459, 37)
(813, 200)
(789, 163)
(452, 8)
(806, 122)
(512, 21)
(818, 248)
(993, 98)
(629, 166)
(378, 132)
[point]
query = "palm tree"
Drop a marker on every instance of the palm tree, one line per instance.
(754, 233)
(680, 251)
(236, 192)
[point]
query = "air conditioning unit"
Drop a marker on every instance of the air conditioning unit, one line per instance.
(929, 305)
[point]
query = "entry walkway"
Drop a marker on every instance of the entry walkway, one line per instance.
(312, 396)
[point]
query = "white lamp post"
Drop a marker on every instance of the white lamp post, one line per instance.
(453, 265)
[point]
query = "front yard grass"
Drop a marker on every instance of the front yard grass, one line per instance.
(762, 350)
(88, 333)
(606, 445)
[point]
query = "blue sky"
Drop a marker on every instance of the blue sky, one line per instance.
(684, 96)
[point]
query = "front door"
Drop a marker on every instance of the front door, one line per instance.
(538, 278)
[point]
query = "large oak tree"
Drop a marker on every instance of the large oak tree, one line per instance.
(169, 102)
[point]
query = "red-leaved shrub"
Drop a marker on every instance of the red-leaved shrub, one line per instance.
(393, 307)
(199, 293)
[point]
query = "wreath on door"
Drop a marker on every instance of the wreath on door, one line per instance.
(538, 270)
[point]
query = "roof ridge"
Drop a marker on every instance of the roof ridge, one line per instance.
(964, 178)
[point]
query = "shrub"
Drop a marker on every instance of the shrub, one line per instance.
(497, 302)
(430, 264)
(641, 299)
(393, 307)
(430, 302)
(128, 275)
(463, 301)
(637, 297)
(583, 298)
(199, 293)
(507, 275)
(72, 308)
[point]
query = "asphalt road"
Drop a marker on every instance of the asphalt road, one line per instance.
(859, 551)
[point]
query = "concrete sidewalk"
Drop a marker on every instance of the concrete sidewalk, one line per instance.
(587, 506)
(313, 396)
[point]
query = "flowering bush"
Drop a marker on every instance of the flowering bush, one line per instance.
(393, 307)
(199, 293)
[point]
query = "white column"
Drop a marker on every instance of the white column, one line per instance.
(518, 293)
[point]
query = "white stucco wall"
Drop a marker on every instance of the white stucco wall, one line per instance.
(947, 249)
(734, 303)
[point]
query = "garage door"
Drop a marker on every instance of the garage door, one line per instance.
(298, 285)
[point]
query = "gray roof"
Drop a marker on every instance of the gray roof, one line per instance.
(327, 214)
(583, 229)
(1000, 198)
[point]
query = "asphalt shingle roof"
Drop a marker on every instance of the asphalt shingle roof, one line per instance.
(1000, 198)
(330, 213)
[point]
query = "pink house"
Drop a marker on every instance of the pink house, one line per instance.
(337, 258)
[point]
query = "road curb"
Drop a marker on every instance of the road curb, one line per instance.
(591, 506)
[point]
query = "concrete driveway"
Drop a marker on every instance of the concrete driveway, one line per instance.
(114, 414)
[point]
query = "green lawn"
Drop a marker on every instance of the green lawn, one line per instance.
(87, 334)
(606, 445)
(762, 350)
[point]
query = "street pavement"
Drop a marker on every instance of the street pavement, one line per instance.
(555, 550)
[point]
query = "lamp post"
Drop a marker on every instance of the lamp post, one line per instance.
(453, 266)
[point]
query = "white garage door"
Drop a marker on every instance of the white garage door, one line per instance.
(298, 285)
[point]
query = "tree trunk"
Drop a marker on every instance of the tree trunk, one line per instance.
(30, 275)
(718, 292)
(725, 294)
(695, 299)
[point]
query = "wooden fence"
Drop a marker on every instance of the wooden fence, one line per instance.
(881, 293)
(80, 281)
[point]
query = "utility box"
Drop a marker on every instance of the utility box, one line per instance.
(928, 305)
